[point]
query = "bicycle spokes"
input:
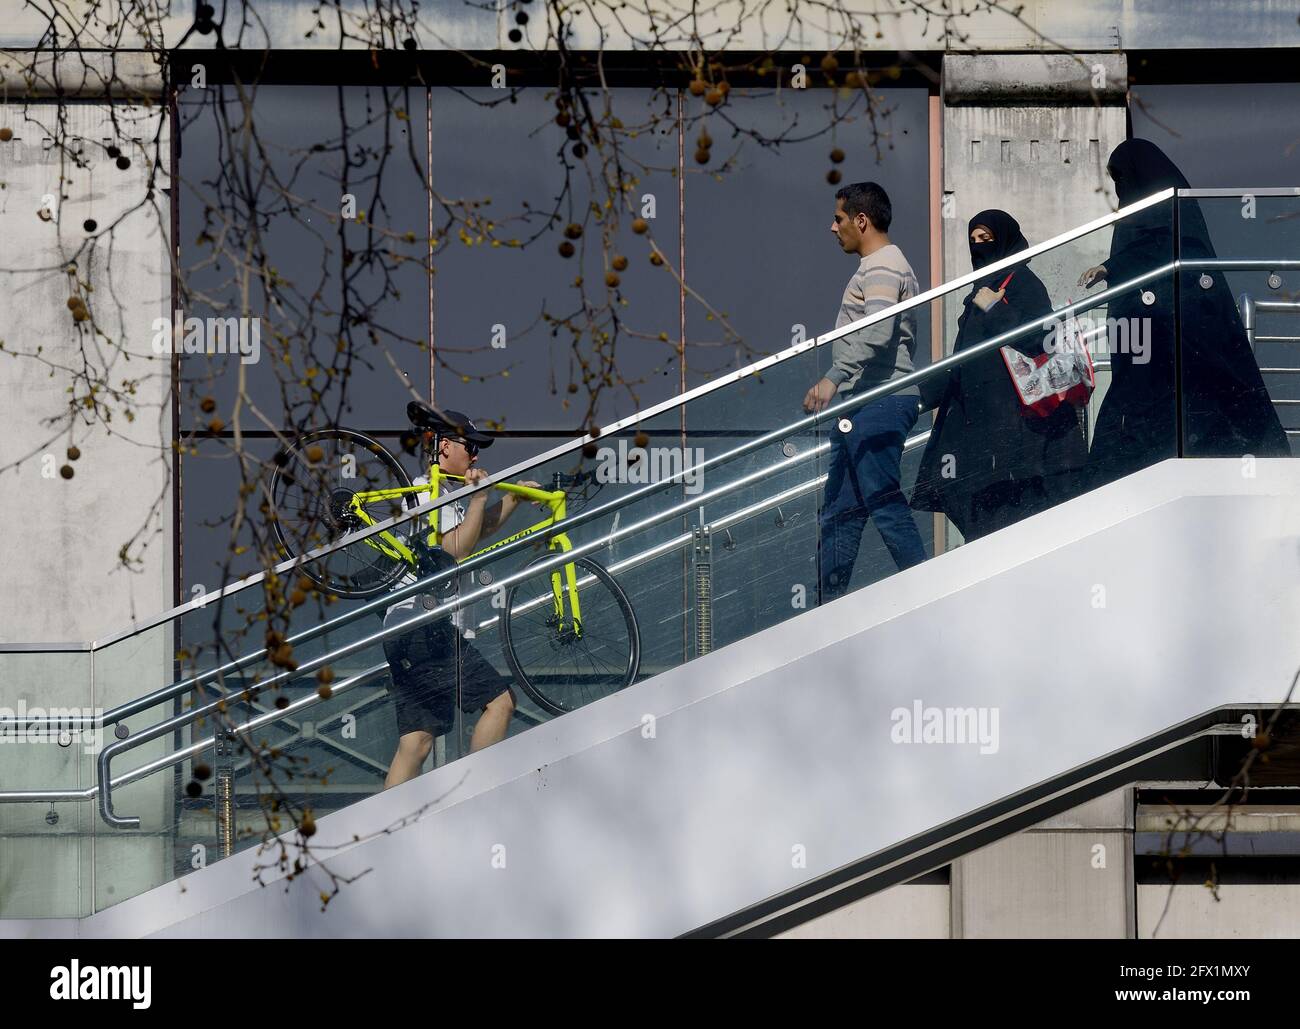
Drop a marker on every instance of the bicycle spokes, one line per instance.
(320, 492)
(570, 636)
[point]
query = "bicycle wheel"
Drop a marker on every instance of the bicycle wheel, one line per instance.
(560, 665)
(312, 486)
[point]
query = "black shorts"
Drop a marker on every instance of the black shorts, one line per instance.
(424, 666)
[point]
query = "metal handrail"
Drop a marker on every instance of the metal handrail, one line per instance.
(589, 514)
(286, 567)
(363, 678)
(1237, 193)
(635, 420)
(1248, 305)
(106, 755)
(1095, 300)
(841, 408)
(378, 671)
(582, 517)
(838, 409)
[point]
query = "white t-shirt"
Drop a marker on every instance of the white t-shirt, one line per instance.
(450, 516)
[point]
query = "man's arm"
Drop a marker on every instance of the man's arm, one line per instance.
(493, 518)
(498, 514)
(461, 541)
(480, 520)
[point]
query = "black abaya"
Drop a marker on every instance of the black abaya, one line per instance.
(988, 462)
(1226, 408)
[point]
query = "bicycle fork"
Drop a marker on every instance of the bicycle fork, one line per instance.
(567, 584)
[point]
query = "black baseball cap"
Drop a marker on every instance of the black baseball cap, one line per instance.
(463, 426)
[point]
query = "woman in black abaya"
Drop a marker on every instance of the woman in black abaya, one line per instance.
(989, 462)
(1226, 408)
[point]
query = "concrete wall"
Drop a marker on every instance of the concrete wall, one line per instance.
(1190, 911)
(1091, 25)
(65, 578)
(1044, 164)
(1070, 876)
(68, 581)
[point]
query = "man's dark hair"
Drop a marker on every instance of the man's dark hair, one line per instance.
(870, 199)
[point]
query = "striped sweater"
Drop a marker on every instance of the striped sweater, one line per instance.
(883, 351)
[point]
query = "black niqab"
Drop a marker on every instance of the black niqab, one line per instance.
(1007, 238)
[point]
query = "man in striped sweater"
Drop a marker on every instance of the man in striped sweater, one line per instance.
(863, 476)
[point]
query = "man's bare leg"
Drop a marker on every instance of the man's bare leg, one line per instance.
(494, 723)
(412, 749)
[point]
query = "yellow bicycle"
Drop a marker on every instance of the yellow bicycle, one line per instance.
(568, 633)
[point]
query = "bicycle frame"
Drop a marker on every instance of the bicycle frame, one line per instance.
(555, 501)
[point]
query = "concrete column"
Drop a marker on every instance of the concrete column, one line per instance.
(64, 567)
(66, 537)
(1030, 134)
(1068, 877)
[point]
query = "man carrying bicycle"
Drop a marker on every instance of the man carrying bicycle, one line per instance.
(430, 662)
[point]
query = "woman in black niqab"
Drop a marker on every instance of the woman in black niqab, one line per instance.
(1226, 408)
(989, 462)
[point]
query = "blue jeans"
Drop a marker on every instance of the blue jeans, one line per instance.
(862, 482)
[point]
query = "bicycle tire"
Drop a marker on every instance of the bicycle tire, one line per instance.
(553, 701)
(323, 520)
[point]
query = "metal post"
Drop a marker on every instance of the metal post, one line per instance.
(1179, 427)
(225, 792)
(703, 591)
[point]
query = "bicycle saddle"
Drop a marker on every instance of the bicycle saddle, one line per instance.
(422, 416)
(425, 418)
